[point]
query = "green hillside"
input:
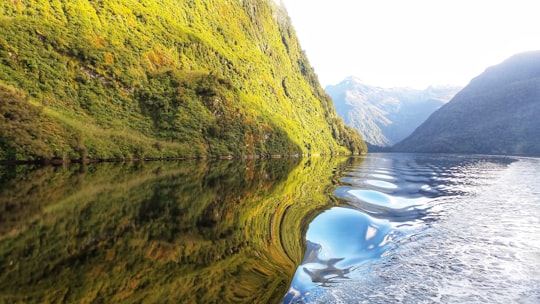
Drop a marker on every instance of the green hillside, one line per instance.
(129, 79)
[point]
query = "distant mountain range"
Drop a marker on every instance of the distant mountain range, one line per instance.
(496, 113)
(384, 116)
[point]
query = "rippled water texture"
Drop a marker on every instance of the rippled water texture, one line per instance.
(424, 229)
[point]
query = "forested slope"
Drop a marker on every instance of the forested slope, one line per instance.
(130, 79)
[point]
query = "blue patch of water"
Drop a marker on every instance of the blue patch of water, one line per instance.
(338, 240)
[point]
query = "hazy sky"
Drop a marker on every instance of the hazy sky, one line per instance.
(412, 42)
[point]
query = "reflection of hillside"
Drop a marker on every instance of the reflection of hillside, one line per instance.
(227, 231)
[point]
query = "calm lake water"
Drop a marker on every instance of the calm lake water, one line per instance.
(376, 229)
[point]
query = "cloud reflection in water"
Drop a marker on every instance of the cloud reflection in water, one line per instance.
(337, 240)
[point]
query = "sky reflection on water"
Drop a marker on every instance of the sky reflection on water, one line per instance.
(338, 240)
(426, 228)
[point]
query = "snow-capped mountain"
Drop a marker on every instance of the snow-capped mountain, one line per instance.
(384, 116)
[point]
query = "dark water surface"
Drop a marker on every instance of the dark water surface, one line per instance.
(427, 229)
(158, 232)
(376, 229)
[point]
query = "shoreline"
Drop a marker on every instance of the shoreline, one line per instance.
(61, 161)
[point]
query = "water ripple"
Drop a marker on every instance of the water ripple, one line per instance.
(427, 228)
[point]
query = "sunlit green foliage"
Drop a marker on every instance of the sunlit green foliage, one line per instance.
(27, 134)
(166, 79)
(158, 232)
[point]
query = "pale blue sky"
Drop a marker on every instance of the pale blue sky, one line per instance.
(412, 43)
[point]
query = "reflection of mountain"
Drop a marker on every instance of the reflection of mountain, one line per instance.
(384, 116)
(190, 232)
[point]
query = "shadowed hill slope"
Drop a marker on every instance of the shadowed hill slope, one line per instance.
(497, 113)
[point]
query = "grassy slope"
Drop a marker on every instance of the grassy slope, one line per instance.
(112, 79)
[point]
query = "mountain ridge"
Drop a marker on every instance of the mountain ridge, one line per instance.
(383, 116)
(496, 113)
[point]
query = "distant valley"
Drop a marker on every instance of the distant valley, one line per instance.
(384, 116)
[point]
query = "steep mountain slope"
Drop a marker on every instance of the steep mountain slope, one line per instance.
(114, 79)
(384, 116)
(497, 113)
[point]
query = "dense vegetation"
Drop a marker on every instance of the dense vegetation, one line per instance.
(130, 79)
(159, 232)
(497, 113)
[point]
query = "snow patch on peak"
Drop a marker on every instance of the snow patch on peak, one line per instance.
(353, 79)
